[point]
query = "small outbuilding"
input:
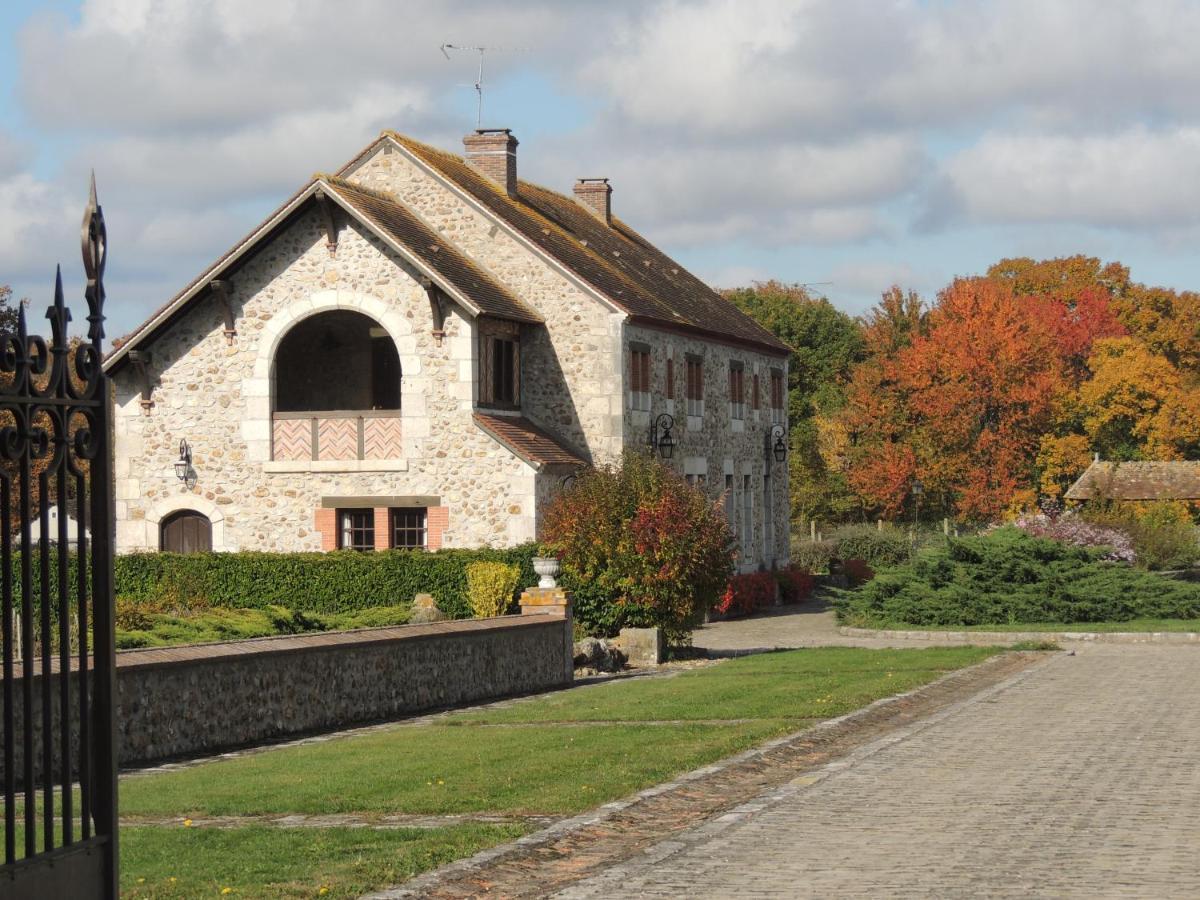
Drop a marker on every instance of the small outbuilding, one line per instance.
(1155, 480)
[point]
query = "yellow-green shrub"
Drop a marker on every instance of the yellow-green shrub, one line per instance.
(490, 587)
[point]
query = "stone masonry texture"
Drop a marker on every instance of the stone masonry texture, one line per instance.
(188, 701)
(1075, 779)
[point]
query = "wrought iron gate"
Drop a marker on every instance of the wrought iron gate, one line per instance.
(56, 600)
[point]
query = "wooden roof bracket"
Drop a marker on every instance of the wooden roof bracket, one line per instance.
(141, 362)
(220, 290)
(437, 307)
(328, 220)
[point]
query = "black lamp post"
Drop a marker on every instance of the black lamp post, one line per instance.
(183, 466)
(660, 436)
(918, 491)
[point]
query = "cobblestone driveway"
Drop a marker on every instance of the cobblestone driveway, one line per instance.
(1080, 778)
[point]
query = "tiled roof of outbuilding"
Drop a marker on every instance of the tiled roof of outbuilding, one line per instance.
(616, 260)
(527, 441)
(1166, 480)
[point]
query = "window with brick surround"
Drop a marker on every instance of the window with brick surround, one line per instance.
(777, 396)
(695, 386)
(754, 398)
(737, 391)
(356, 529)
(639, 377)
(747, 518)
(408, 528)
(670, 378)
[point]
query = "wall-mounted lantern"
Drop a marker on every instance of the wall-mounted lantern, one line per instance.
(183, 466)
(778, 444)
(660, 436)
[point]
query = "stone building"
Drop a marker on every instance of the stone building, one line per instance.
(418, 351)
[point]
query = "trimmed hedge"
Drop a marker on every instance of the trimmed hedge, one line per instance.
(341, 581)
(1009, 577)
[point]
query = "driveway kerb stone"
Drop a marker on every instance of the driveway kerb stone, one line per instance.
(1008, 638)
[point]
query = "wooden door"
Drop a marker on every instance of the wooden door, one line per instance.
(186, 532)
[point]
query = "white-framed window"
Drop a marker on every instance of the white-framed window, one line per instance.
(695, 386)
(778, 397)
(356, 529)
(747, 517)
(737, 391)
(639, 378)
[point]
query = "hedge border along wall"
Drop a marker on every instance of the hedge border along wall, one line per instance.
(312, 582)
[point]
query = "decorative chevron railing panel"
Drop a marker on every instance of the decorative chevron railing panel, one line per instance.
(293, 439)
(337, 439)
(336, 436)
(381, 438)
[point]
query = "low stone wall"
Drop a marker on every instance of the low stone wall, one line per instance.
(190, 701)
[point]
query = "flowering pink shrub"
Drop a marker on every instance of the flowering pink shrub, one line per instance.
(1071, 529)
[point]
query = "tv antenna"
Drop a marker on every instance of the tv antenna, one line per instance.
(479, 78)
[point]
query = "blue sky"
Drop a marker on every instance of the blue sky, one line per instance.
(851, 143)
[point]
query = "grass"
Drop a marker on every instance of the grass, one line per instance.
(261, 861)
(553, 754)
(1132, 625)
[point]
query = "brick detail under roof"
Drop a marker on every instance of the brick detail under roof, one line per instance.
(325, 521)
(437, 520)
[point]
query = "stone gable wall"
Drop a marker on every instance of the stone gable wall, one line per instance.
(571, 374)
(716, 448)
(218, 397)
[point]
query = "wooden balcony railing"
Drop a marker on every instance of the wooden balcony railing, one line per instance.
(336, 435)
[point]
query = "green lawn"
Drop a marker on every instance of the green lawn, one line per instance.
(1132, 625)
(554, 754)
(260, 861)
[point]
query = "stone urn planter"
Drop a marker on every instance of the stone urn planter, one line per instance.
(547, 568)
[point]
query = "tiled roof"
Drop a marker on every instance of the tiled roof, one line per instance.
(616, 261)
(377, 211)
(402, 225)
(527, 441)
(1167, 480)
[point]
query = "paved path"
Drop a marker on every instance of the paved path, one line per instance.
(1077, 778)
(809, 624)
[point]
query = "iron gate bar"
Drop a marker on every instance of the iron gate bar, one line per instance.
(57, 412)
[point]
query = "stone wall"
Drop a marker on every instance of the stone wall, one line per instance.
(192, 701)
(218, 397)
(714, 445)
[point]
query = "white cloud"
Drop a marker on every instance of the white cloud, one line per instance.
(1136, 179)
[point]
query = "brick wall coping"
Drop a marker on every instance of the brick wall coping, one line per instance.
(150, 657)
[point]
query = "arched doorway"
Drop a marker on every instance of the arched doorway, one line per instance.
(186, 531)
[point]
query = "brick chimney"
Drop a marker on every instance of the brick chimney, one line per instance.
(493, 152)
(596, 195)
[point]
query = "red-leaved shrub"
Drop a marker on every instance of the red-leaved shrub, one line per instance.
(795, 583)
(747, 593)
(639, 547)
